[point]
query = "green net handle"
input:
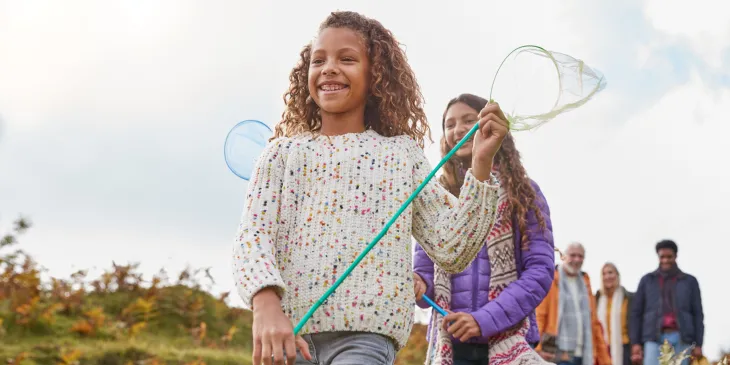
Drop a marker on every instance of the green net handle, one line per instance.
(383, 231)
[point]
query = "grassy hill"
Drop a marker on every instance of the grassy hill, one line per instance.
(120, 318)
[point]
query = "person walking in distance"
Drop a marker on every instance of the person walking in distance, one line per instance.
(569, 328)
(614, 302)
(667, 307)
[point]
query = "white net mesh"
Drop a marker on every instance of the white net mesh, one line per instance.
(533, 86)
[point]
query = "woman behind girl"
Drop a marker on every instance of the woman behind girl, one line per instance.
(613, 306)
(345, 157)
(513, 271)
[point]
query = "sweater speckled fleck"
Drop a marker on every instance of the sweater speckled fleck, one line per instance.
(314, 203)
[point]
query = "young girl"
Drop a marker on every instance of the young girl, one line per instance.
(345, 157)
(513, 271)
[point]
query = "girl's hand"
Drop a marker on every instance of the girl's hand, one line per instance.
(419, 286)
(488, 139)
(462, 326)
(273, 333)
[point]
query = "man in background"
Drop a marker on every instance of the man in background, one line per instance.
(667, 306)
(569, 328)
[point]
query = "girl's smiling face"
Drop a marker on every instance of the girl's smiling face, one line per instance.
(339, 71)
(459, 119)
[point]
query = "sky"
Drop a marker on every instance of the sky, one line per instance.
(113, 117)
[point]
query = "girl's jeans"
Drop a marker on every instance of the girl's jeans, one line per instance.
(348, 348)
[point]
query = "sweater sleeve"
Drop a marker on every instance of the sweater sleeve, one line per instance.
(450, 230)
(521, 297)
(254, 254)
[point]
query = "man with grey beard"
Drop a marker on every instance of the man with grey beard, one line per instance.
(569, 328)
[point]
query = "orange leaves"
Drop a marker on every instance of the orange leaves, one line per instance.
(228, 337)
(70, 357)
(117, 305)
(199, 333)
(18, 359)
(90, 325)
(36, 313)
(136, 328)
(26, 311)
(83, 327)
(19, 277)
(141, 310)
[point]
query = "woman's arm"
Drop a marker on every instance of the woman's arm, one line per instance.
(450, 230)
(521, 297)
(254, 261)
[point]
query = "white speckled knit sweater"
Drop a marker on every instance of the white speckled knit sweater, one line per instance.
(315, 203)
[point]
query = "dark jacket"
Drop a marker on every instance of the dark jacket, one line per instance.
(646, 313)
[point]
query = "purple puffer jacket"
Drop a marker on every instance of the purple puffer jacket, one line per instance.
(470, 288)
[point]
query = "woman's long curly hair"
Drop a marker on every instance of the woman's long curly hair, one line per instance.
(395, 103)
(521, 196)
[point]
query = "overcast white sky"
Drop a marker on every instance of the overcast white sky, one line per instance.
(114, 114)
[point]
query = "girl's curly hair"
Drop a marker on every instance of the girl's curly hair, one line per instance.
(521, 196)
(395, 103)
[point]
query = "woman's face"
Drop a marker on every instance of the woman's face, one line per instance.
(610, 277)
(459, 119)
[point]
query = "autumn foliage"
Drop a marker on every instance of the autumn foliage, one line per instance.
(119, 305)
(120, 318)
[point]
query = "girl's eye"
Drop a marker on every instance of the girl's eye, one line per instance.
(316, 62)
(348, 59)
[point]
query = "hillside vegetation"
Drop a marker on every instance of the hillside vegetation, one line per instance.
(121, 318)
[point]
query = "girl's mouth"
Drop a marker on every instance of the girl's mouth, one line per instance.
(332, 88)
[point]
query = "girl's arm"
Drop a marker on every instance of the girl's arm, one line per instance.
(254, 260)
(423, 266)
(450, 230)
(521, 297)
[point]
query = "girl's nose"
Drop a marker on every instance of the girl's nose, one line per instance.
(330, 68)
(461, 131)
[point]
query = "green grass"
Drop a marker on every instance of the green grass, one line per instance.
(165, 340)
(48, 350)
